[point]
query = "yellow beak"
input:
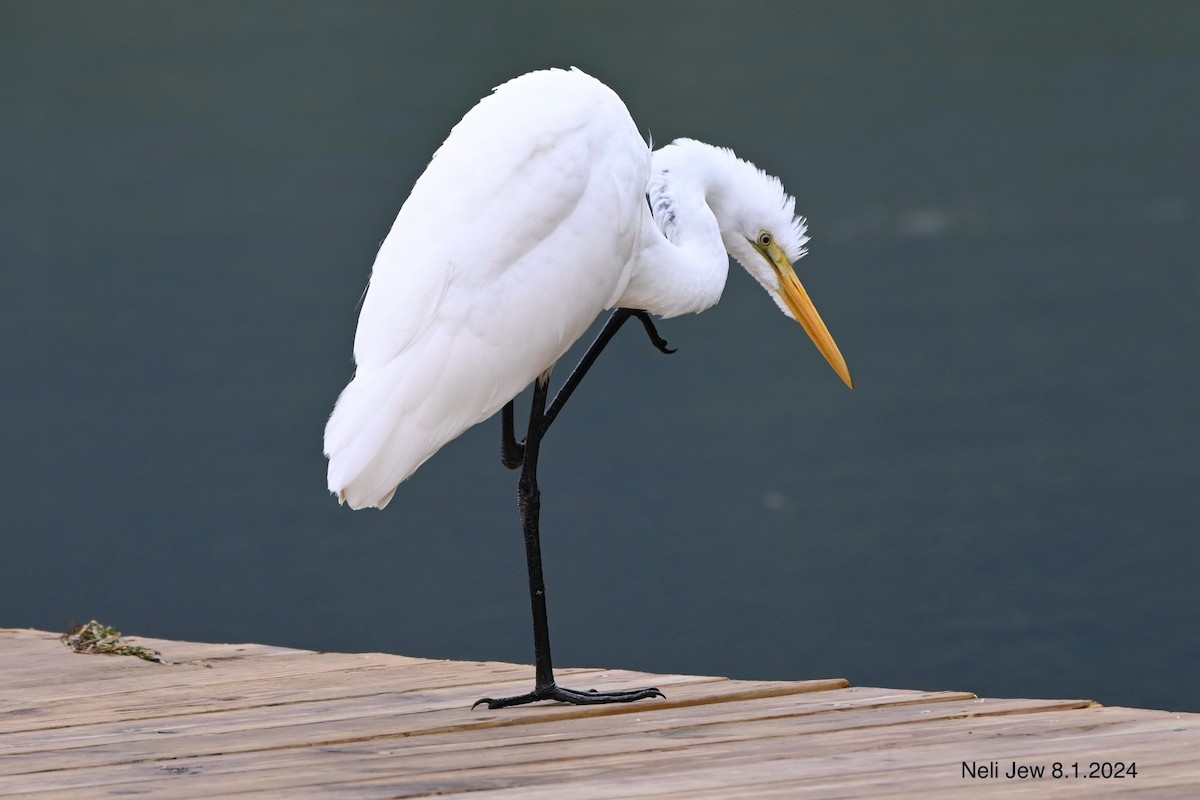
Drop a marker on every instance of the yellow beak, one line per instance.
(805, 312)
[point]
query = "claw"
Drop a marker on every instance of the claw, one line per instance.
(659, 342)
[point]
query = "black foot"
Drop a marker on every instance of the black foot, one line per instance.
(553, 692)
(659, 342)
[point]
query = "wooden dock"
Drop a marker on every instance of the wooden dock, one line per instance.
(256, 721)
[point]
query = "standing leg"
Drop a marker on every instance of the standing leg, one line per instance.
(530, 502)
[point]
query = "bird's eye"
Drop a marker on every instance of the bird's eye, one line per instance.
(764, 239)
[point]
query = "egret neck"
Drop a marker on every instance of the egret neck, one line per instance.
(682, 263)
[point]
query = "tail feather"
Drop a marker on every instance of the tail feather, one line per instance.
(368, 421)
(391, 419)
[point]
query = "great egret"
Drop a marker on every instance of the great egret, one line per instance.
(543, 208)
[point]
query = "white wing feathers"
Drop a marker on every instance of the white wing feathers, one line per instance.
(511, 243)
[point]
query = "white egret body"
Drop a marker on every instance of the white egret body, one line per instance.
(542, 208)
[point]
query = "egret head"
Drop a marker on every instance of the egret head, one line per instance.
(760, 229)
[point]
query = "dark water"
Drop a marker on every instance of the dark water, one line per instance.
(1005, 211)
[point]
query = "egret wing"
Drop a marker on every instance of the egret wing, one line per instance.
(510, 244)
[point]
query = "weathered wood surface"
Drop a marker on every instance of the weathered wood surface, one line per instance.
(257, 721)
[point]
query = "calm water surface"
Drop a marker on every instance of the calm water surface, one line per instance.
(1004, 206)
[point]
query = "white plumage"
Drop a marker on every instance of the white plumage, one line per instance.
(532, 218)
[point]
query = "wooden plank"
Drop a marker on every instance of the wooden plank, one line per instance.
(282, 684)
(279, 722)
(419, 711)
(27, 687)
(843, 768)
(35, 642)
(702, 726)
(675, 769)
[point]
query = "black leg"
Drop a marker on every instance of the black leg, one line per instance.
(512, 451)
(529, 500)
(659, 342)
(606, 334)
